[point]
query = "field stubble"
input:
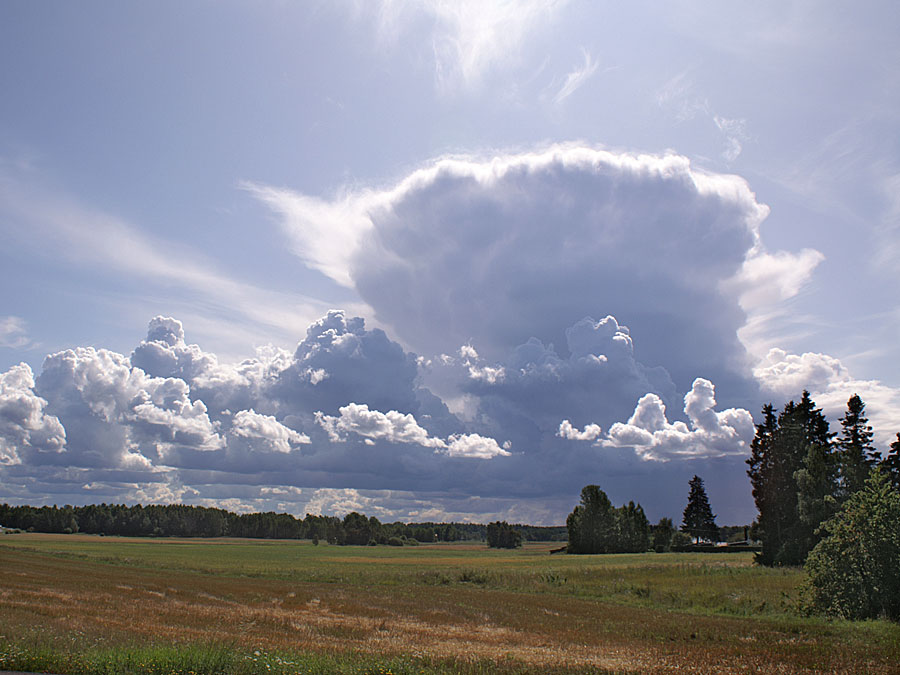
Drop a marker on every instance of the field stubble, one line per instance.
(521, 610)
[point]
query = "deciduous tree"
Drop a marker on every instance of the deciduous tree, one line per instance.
(853, 571)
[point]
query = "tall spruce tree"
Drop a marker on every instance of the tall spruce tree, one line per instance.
(857, 454)
(778, 453)
(891, 464)
(699, 521)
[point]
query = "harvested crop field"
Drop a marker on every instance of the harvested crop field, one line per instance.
(441, 608)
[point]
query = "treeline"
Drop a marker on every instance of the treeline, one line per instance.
(179, 520)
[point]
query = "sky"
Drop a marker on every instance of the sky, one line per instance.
(438, 260)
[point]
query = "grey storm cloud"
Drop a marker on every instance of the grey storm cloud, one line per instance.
(527, 394)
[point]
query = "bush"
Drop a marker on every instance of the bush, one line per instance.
(853, 571)
(680, 540)
(395, 541)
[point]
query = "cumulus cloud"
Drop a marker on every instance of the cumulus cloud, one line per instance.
(391, 426)
(265, 433)
(24, 426)
(475, 446)
(340, 362)
(395, 427)
(116, 415)
(789, 374)
(710, 433)
(591, 432)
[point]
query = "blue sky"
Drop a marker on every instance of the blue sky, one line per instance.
(569, 242)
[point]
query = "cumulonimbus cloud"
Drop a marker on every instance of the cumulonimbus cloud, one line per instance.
(490, 251)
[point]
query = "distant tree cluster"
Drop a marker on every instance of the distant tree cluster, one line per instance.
(501, 534)
(596, 526)
(178, 520)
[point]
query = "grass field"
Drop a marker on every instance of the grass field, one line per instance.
(92, 604)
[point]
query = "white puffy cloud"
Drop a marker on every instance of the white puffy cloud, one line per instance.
(395, 427)
(116, 415)
(166, 354)
(24, 426)
(392, 426)
(591, 432)
(475, 446)
(789, 374)
(265, 433)
(710, 434)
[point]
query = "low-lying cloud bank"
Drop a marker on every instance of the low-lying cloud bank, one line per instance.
(347, 410)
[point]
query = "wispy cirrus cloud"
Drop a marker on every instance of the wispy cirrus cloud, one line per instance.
(14, 333)
(679, 95)
(577, 78)
(48, 224)
(469, 38)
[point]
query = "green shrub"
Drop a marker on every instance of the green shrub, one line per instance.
(854, 572)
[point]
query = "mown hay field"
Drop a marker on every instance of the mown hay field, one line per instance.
(290, 606)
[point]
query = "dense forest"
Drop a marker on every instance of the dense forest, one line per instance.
(177, 520)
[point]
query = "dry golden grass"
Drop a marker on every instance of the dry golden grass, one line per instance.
(112, 602)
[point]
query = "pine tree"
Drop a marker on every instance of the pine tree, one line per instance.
(857, 454)
(699, 521)
(891, 464)
(777, 456)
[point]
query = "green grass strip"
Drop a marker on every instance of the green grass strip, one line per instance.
(223, 660)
